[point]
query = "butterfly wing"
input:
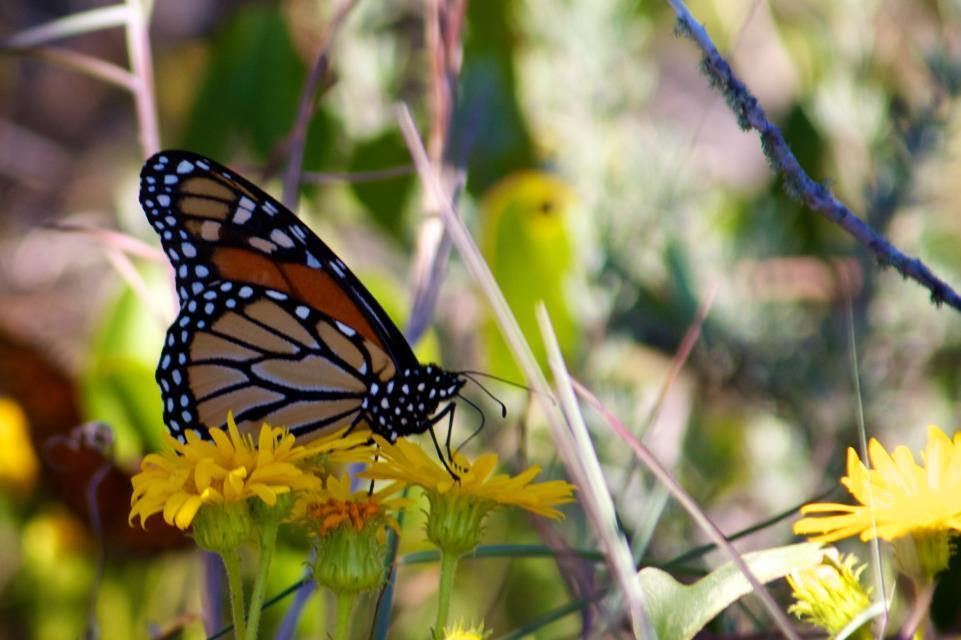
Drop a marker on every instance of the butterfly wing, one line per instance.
(216, 226)
(272, 326)
(266, 357)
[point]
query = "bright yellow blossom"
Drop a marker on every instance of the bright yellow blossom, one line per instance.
(897, 497)
(406, 462)
(18, 461)
(228, 469)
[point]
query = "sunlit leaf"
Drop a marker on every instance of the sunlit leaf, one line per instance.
(679, 611)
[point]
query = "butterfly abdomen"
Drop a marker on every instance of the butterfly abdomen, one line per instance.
(405, 404)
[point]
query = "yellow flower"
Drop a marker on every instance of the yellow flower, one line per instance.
(406, 462)
(830, 594)
(349, 530)
(897, 497)
(228, 469)
(460, 632)
(18, 461)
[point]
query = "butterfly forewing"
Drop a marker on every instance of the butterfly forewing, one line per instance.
(216, 226)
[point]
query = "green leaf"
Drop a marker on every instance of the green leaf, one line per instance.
(384, 199)
(488, 125)
(679, 611)
(251, 88)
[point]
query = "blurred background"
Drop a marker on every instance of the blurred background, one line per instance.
(599, 172)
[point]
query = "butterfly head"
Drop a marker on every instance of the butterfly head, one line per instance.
(406, 404)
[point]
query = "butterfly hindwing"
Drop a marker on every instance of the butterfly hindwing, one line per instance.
(267, 357)
(216, 226)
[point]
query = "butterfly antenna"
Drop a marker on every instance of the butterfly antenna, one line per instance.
(483, 418)
(469, 375)
(491, 376)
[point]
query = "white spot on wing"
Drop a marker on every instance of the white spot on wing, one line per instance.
(347, 331)
(263, 245)
(185, 166)
(281, 239)
(241, 216)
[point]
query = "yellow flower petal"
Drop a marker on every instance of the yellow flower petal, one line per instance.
(406, 462)
(897, 496)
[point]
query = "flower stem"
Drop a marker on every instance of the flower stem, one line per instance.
(268, 540)
(235, 585)
(345, 606)
(448, 567)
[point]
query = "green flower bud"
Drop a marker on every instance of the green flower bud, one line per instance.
(222, 527)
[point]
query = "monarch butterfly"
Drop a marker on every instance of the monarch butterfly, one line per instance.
(273, 326)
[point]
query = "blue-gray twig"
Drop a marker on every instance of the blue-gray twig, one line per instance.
(797, 183)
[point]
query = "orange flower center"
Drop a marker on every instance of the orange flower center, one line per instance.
(333, 513)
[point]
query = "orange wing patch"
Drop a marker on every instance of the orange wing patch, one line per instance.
(209, 188)
(206, 346)
(213, 412)
(206, 379)
(320, 290)
(340, 412)
(315, 287)
(344, 348)
(275, 317)
(242, 265)
(311, 373)
(205, 208)
(233, 324)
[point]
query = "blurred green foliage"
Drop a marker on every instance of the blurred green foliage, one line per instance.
(118, 385)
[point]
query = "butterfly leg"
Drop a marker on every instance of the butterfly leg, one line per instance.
(448, 410)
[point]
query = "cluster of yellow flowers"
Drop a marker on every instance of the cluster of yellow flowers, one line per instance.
(232, 489)
(914, 507)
